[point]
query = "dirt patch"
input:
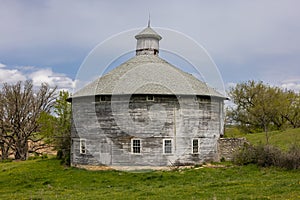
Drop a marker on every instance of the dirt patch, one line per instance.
(145, 168)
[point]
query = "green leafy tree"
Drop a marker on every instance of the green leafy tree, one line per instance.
(291, 110)
(56, 128)
(258, 106)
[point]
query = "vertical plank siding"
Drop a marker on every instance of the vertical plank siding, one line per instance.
(108, 134)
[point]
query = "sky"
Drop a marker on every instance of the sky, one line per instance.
(47, 41)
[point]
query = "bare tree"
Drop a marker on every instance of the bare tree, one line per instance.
(20, 108)
(5, 129)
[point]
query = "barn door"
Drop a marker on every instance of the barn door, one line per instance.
(105, 153)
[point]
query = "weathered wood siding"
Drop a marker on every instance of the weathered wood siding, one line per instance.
(108, 132)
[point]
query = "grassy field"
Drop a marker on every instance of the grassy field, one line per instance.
(47, 179)
(283, 139)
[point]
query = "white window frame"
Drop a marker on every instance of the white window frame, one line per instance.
(150, 99)
(164, 146)
(132, 147)
(82, 143)
(198, 149)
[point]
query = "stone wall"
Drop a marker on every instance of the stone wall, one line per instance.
(228, 146)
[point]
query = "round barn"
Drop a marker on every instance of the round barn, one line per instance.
(146, 112)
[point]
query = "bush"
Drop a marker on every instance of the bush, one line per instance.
(291, 159)
(64, 157)
(246, 155)
(37, 156)
(267, 155)
(44, 156)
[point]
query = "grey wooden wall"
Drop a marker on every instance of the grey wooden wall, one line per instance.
(108, 127)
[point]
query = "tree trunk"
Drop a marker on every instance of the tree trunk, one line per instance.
(267, 134)
(21, 150)
(4, 151)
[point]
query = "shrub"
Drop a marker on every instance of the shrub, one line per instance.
(38, 156)
(64, 157)
(267, 155)
(291, 159)
(44, 156)
(245, 156)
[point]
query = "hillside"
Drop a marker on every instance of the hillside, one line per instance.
(283, 139)
(47, 179)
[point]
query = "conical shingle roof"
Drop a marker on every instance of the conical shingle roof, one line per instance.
(148, 32)
(147, 74)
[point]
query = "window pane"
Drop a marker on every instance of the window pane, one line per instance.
(168, 146)
(82, 147)
(136, 146)
(102, 98)
(195, 146)
(150, 98)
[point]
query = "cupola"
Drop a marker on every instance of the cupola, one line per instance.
(147, 42)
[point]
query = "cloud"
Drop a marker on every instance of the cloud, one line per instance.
(53, 79)
(10, 75)
(291, 84)
(2, 65)
(37, 75)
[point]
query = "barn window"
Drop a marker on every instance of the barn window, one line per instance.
(136, 146)
(195, 146)
(102, 98)
(167, 146)
(82, 146)
(150, 98)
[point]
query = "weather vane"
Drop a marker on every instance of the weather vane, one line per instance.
(149, 20)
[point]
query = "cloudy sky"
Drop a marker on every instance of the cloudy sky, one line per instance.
(48, 40)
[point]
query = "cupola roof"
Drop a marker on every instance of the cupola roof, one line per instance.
(148, 33)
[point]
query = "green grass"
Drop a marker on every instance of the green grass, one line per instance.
(282, 139)
(47, 179)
